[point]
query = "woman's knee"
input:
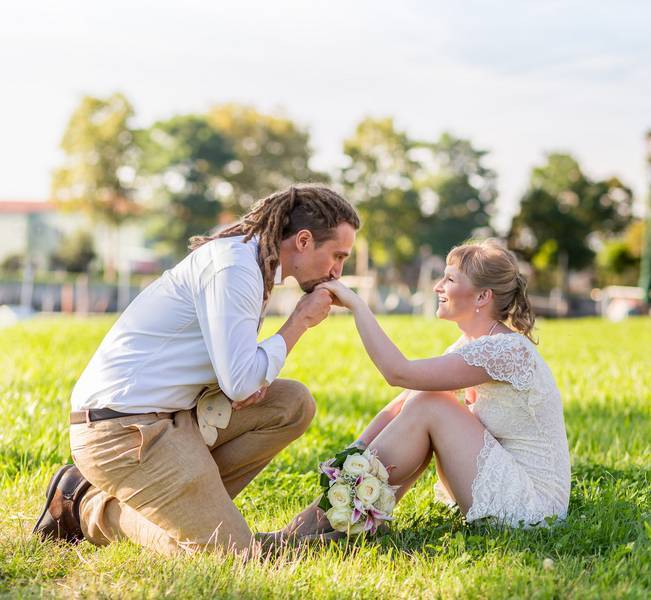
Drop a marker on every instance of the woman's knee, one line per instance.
(424, 404)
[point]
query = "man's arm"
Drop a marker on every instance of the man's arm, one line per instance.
(228, 309)
(310, 310)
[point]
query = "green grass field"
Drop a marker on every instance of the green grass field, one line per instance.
(602, 550)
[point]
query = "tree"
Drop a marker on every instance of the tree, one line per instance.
(96, 174)
(412, 193)
(564, 215)
(270, 152)
(463, 192)
(379, 180)
(180, 167)
(618, 261)
(74, 253)
(12, 263)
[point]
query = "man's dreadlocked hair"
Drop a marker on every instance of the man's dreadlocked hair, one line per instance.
(282, 214)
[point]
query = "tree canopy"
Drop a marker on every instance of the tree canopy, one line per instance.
(564, 212)
(181, 163)
(184, 175)
(269, 153)
(98, 147)
(412, 193)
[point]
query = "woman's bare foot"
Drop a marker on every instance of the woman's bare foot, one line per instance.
(311, 522)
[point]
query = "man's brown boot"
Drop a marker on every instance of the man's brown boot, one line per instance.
(60, 517)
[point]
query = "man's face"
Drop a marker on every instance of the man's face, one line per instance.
(314, 265)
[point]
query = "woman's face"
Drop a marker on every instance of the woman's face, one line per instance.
(456, 294)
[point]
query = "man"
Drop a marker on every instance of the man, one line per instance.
(151, 464)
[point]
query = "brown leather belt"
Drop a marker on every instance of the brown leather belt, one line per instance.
(98, 414)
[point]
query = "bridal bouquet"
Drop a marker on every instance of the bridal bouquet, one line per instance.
(356, 494)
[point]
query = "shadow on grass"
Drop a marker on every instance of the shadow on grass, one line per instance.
(606, 519)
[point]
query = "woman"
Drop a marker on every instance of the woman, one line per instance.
(503, 454)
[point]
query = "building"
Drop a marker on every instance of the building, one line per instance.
(34, 229)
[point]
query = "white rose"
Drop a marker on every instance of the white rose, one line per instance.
(339, 495)
(368, 491)
(380, 471)
(339, 517)
(356, 464)
(377, 469)
(387, 500)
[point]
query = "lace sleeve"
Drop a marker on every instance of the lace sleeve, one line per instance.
(505, 357)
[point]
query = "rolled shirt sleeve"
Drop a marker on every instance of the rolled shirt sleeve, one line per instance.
(228, 309)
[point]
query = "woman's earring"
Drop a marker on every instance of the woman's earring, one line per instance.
(477, 310)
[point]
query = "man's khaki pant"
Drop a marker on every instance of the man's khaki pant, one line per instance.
(156, 482)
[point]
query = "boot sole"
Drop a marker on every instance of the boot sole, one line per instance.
(49, 494)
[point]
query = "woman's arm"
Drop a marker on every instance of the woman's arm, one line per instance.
(447, 372)
(381, 420)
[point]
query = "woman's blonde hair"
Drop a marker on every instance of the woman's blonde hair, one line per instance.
(489, 265)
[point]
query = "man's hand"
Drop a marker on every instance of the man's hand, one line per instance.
(342, 295)
(252, 399)
(310, 310)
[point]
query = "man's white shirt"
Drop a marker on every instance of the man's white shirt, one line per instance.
(194, 326)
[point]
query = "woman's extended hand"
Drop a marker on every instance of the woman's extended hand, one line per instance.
(343, 295)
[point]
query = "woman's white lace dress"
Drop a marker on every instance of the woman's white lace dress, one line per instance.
(523, 470)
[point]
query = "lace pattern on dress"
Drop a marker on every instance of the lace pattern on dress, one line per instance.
(505, 356)
(502, 490)
(479, 500)
(523, 466)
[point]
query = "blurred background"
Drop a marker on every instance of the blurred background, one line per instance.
(128, 127)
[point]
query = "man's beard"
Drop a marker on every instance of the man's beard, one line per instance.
(308, 286)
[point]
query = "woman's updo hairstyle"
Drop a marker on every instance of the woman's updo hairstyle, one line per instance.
(489, 265)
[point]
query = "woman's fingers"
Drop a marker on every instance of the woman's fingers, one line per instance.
(327, 285)
(337, 290)
(332, 290)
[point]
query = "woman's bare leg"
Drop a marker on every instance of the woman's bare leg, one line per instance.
(428, 423)
(405, 485)
(312, 519)
(438, 420)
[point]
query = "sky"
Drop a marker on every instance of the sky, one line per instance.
(517, 78)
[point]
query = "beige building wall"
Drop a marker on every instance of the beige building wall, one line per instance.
(13, 235)
(38, 231)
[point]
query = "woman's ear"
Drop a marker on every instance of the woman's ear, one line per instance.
(484, 298)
